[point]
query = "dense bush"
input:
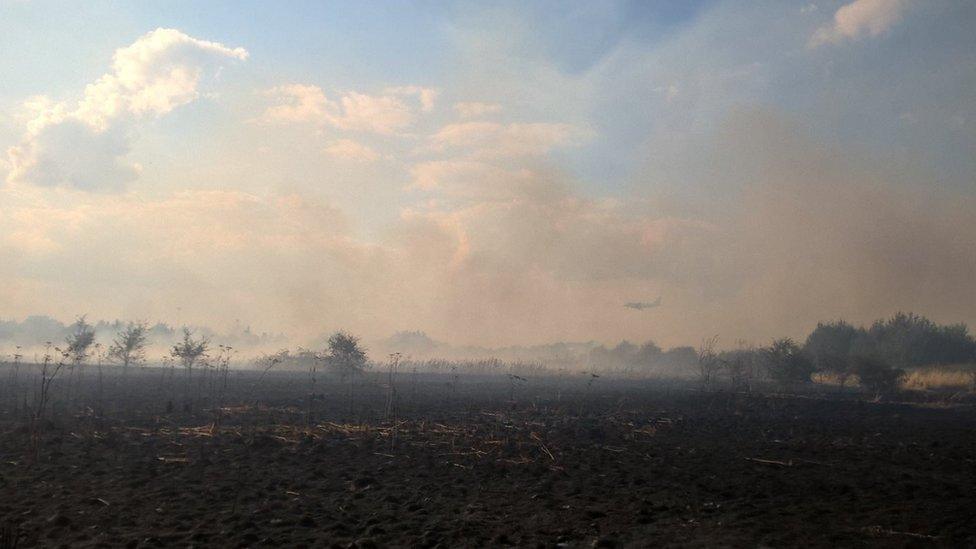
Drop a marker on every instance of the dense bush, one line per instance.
(904, 340)
(876, 375)
(829, 346)
(786, 362)
(646, 358)
(907, 339)
(345, 354)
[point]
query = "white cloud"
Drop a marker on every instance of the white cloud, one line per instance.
(347, 149)
(476, 110)
(352, 111)
(380, 114)
(860, 18)
(297, 103)
(74, 154)
(84, 144)
(157, 73)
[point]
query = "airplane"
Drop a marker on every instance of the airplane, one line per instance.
(641, 305)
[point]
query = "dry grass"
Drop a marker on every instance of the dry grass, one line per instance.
(959, 378)
(831, 378)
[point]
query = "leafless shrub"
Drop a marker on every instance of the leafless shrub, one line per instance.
(514, 380)
(15, 375)
(49, 372)
(708, 362)
(740, 366)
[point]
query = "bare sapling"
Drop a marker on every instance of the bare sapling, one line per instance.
(269, 363)
(312, 374)
(708, 362)
(169, 376)
(454, 381)
(391, 383)
(41, 399)
(740, 367)
(79, 343)
(591, 379)
(514, 380)
(221, 367)
(100, 401)
(15, 376)
(189, 351)
(392, 404)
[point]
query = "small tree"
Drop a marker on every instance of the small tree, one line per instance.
(345, 354)
(830, 345)
(190, 350)
(648, 355)
(129, 345)
(80, 340)
(347, 358)
(877, 375)
(786, 363)
(740, 365)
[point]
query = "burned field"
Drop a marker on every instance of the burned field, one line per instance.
(148, 458)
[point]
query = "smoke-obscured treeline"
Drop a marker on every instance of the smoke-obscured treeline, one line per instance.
(34, 332)
(903, 341)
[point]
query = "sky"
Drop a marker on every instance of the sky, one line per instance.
(491, 173)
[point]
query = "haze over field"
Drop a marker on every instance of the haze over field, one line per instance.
(491, 175)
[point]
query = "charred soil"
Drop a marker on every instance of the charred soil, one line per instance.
(481, 462)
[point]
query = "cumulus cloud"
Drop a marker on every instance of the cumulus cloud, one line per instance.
(83, 144)
(380, 114)
(475, 109)
(157, 73)
(74, 154)
(352, 111)
(347, 149)
(297, 103)
(858, 19)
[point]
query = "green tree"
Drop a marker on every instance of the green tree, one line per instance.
(345, 354)
(876, 375)
(80, 340)
(786, 362)
(830, 345)
(129, 345)
(190, 349)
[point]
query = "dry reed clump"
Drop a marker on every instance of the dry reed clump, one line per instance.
(954, 378)
(835, 379)
(958, 378)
